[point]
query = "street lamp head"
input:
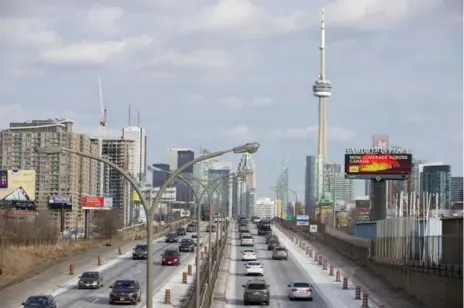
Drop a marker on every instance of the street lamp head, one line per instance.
(250, 148)
(48, 150)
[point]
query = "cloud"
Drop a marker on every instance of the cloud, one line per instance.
(27, 32)
(240, 132)
(201, 59)
(415, 118)
(105, 19)
(94, 52)
(230, 102)
(335, 134)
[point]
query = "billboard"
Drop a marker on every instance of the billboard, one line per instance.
(96, 203)
(13, 180)
(135, 197)
(380, 142)
(58, 202)
(378, 166)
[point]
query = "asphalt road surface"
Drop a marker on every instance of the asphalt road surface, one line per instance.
(277, 273)
(127, 269)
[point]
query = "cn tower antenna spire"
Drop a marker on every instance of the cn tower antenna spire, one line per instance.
(322, 47)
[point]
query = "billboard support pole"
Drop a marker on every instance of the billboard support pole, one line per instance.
(86, 224)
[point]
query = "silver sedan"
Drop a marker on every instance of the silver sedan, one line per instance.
(300, 290)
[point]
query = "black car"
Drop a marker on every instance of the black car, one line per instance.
(40, 301)
(171, 237)
(272, 244)
(186, 245)
(90, 280)
(125, 291)
(140, 252)
(192, 228)
(270, 237)
(181, 231)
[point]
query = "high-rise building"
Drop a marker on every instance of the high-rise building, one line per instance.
(184, 192)
(310, 185)
(246, 185)
(173, 157)
(200, 171)
(119, 152)
(456, 189)
(160, 177)
(436, 181)
(335, 183)
(219, 173)
(138, 161)
(64, 174)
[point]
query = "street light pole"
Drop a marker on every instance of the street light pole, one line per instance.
(246, 148)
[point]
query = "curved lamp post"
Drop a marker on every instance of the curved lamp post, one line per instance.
(150, 210)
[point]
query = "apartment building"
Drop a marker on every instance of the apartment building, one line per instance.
(63, 174)
(119, 152)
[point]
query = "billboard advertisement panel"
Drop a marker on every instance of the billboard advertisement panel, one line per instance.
(96, 203)
(13, 180)
(370, 166)
(58, 202)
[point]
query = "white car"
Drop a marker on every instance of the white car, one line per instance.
(254, 268)
(246, 240)
(195, 239)
(300, 290)
(248, 255)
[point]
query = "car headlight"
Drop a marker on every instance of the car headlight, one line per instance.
(95, 283)
(175, 260)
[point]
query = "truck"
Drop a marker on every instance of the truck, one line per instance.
(264, 228)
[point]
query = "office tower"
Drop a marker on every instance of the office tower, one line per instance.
(265, 208)
(219, 173)
(310, 185)
(119, 152)
(66, 175)
(235, 197)
(184, 192)
(160, 177)
(436, 181)
(200, 171)
(173, 157)
(344, 188)
(331, 170)
(246, 185)
(138, 161)
(456, 189)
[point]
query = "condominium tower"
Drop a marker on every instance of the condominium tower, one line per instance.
(64, 174)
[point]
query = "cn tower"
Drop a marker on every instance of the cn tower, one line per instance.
(322, 89)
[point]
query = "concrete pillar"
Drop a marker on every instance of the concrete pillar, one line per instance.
(379, 201)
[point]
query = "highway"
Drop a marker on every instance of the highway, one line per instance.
(130, 269)
(277, 273)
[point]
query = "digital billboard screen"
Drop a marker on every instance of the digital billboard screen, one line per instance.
(378, 164)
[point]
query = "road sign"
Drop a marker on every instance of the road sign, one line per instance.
(313, 228)
(289, 217)
(302, 220)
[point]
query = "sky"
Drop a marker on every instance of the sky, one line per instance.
(215, 74)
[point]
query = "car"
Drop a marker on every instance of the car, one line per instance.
(171, 237)
(125, 291)
(256, 292)
(211, 229)
(170, 257)
(271, 237)
(191, 228)
(187, 245)
(181, 231)
(247, 240)
(40, 301)
(254, 268)
(195, 239)
(90, 280)
(248, 255)
(279, 253)
(300, 290)
(272, 244)
(140, 252)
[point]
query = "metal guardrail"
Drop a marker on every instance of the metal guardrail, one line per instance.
(206, 296)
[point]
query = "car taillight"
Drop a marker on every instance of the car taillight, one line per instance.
(309, 290)
(294, 290)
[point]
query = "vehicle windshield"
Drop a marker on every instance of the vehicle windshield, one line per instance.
(171, 235)
(124, 284)
(186, 241)
(281, 249)
(141, 247)
(89, 275)
(194, 236)
(256, 286)
(180, 229)
(247, 237)
(170, 253)
(37, 301)
(254, 263)
(248, 251)
(301, 285)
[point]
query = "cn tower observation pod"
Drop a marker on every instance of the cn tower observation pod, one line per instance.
(322, 88)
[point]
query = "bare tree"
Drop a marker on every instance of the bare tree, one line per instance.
(107, 223)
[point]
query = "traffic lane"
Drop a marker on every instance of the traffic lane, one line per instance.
(131, 269)
(277, 273)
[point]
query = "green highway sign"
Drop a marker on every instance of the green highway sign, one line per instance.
(289, 217)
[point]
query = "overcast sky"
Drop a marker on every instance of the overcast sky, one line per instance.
(215, 74)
